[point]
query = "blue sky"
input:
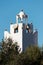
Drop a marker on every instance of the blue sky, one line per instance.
(34, 9)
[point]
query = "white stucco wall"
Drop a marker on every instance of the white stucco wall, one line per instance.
(6, 34)
(16, 37)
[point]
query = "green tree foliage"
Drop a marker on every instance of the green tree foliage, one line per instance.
(41, 55)
(9, 54)
(34, 55)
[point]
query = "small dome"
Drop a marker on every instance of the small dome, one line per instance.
(22, 14)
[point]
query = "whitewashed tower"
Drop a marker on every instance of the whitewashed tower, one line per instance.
(22, 32)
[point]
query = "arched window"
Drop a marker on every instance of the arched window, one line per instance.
(16, 30)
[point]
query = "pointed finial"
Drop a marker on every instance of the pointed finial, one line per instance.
(22, 10)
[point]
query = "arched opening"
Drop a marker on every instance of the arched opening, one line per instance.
(16, 30)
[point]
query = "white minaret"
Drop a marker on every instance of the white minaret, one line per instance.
(21, 32)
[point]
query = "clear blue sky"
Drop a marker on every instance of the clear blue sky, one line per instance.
(34, 9)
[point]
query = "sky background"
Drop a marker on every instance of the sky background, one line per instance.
(34, 9)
